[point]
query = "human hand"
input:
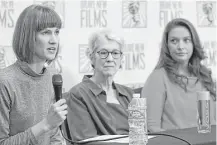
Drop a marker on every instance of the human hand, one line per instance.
(56, 114)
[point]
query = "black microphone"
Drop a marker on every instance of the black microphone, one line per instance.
(57, 84)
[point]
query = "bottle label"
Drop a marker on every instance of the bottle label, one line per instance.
(138, 113)
(137, 122)
(137, 118)
(204, 114)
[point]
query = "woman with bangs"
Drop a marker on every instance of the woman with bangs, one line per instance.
(171, 88)
(28, 113)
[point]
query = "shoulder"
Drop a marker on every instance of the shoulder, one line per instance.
(156, 85)
(79, 87)
(157, 75)
(77, 91)
(158, 72)
(124, 90)
(156, 81)
(8, 73)
(8, 79)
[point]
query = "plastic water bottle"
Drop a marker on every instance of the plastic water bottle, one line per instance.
(137, 121)
(203, 104)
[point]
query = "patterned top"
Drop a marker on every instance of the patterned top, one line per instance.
(168, 105)
(89, 114)
(25, 98)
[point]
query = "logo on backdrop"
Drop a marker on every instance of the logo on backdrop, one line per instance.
(211, 53)
(7, 14)
(133, 58)
(206, 13)
(134, 14)
(84, 61)
(93, 14)
(57, 5)
(7, 56)
(168, 11)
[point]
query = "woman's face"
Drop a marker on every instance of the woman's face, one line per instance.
(47, 42)
(109, 65)
(180, 44)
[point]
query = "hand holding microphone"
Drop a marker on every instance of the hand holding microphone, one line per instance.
(58, 111)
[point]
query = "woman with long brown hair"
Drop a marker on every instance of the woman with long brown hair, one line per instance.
(171, 88)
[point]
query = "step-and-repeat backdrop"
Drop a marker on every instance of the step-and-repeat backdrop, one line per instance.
(139, 22)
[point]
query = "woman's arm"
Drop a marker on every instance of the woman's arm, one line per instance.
(23, 138)
(57, 138)
(55, 117)
(155, 92)
(79, 120)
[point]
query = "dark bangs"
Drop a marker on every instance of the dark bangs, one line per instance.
(47, 18)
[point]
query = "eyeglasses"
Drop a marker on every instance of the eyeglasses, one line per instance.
(105, 53)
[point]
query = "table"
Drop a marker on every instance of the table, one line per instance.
(189, 134)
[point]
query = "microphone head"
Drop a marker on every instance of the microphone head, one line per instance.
(57, 80)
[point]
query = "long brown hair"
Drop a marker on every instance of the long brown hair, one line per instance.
(195, 67)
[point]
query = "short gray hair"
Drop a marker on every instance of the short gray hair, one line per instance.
(101, 36)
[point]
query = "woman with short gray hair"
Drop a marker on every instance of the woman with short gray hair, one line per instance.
(98, 105)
